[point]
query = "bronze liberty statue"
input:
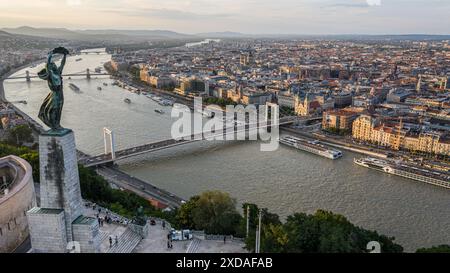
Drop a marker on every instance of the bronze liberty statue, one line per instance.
(51, 108)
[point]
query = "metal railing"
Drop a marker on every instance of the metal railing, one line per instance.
(115, 218)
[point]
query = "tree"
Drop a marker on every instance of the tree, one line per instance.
(322, 232)
(270, 229)
(20, 134)
(215, 212)
(185, 213)
(273, 238)
(26, 153)
(435, 249)
(325, 232)
(33, 158)
(96, 189)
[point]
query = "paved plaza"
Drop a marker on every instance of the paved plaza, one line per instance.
(156, 242)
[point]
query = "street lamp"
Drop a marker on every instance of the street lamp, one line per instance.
(258, 234)
(248, 219)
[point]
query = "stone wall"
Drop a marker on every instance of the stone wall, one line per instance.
(13, 206)
(47, 230)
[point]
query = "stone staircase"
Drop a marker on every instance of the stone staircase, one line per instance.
(103, 236)
(194, 246)
(127, 242)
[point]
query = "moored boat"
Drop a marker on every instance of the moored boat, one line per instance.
(74, 87)
(312, 146)
(402, 169)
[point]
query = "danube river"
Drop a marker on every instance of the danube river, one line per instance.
(285, 181)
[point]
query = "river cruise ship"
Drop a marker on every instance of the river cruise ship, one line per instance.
(74, 87)
(405, 170)
(312, 146)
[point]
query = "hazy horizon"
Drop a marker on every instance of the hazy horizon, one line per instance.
(227, 31)
(252, 17)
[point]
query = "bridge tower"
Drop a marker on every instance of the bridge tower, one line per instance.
(108, 133)
(27, 77)
(88, 74)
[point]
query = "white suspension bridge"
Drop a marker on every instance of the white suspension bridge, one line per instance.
(111, 155)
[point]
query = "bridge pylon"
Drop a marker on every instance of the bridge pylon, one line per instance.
(108, 133)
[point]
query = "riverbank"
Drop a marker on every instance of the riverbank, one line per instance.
(143, 86)
(35, 126)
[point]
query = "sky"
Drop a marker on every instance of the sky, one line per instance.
(245, 16)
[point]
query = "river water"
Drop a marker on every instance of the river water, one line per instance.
(285, 181)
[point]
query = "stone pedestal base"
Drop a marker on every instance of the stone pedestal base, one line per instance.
(60, 185)
(59, 220)
(47, 230)
(141, 230)
(85, 232)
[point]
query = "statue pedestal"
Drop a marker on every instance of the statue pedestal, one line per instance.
(59, 220)
(60, 185)
(141, 230)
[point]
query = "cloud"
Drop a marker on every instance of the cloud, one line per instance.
(373, 3)
(73, 2)
(348, 5)
(251, 16)
(357, 4)
(170, 14)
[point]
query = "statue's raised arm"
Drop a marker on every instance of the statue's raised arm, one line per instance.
(65, 52)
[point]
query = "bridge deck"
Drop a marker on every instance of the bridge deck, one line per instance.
(164, 144)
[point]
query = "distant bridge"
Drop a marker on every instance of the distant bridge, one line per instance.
(94, 52)
(87, 73)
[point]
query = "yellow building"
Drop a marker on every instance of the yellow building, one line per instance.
(363, 126)
(143, 74)
(155, 81)
(367, 128)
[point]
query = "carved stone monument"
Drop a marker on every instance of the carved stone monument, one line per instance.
(60, 218)
(140, 223)
(60, 185)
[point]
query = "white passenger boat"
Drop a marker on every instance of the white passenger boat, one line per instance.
(313, 146)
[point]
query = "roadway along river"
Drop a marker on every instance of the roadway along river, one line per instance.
(285, 181)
